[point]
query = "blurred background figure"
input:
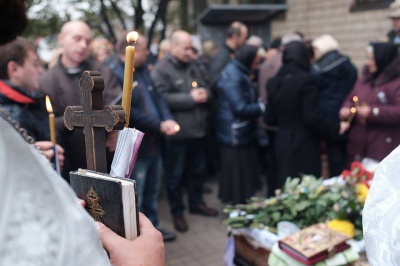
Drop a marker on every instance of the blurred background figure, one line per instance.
(180, 81)
(163, 48)
(235, 123)
(237, 34)
(116, 61)
(293, 107)
(101, 49)
(256, 41)
(394, 33)
(209, 49)
(375, 129)
(336, 76)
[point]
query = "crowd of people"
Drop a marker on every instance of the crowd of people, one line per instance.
(241, 109)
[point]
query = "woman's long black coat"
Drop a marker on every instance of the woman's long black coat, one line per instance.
(293, 106)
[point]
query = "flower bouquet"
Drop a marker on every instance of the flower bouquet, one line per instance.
(306, 201)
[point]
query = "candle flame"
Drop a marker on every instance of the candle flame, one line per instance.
(48, 105)
(355, 99)
(194, 84)
(353, 110)
(177, 128)
(132, 37)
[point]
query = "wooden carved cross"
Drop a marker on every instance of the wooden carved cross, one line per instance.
(94, 117)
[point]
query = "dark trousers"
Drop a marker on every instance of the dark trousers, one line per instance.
(184, 162)
(336, 151)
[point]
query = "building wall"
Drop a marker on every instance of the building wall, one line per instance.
(353, 30)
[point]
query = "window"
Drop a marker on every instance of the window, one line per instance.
(361, 5)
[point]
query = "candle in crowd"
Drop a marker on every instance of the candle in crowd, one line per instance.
(52, 124)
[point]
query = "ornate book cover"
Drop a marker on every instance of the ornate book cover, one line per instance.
(110, 200)
(314, 243)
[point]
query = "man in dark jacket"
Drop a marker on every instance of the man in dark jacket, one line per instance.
(149, 114)
(179, 79)
(61, 83)
(236, 38)
(336, 76)
(20, 69)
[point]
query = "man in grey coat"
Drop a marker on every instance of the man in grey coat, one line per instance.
(179, 80)
(61, 83)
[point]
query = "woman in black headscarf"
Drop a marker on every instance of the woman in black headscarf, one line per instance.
(237, 110)
(293, 107)
(375, 129)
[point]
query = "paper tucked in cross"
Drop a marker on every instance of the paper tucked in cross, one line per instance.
(94, 117)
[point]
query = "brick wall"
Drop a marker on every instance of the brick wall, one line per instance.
(353, 30)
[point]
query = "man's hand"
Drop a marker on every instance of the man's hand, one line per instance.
(147, 249)
(169, 127)
(45, 147)
(199, 95)
(344, 126)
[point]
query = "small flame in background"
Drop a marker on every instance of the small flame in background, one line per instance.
(194, 84)
(48, 105)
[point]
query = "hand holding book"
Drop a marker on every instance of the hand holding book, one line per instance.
(147, 249)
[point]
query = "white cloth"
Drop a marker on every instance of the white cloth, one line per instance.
(381, 214)
(41, 222)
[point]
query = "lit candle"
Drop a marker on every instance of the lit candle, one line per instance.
(177, 128)
(353, 111)
(52, 124)
(131, 38)
(194, 84)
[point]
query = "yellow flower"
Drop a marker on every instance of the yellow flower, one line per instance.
(343, 226)
(362, 192)
(320, 189)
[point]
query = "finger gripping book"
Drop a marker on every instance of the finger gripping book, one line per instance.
(314, 244)
(110, 200)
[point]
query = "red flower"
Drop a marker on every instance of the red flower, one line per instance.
(357, 174)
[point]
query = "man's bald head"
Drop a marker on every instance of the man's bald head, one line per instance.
(181, 46)
(179, 36)
(70, 26)
(237, 35)
(75, 38)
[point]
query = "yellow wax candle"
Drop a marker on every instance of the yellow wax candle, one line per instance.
(128, 74)
(353, 111)
(52, 124)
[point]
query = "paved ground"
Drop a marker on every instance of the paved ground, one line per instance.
(204, 243)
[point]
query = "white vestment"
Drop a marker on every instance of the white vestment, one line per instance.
(381, 214)
(41, 222)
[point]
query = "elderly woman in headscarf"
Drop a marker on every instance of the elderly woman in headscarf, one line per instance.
(293, 107)
(237, 110)
(375, 129)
